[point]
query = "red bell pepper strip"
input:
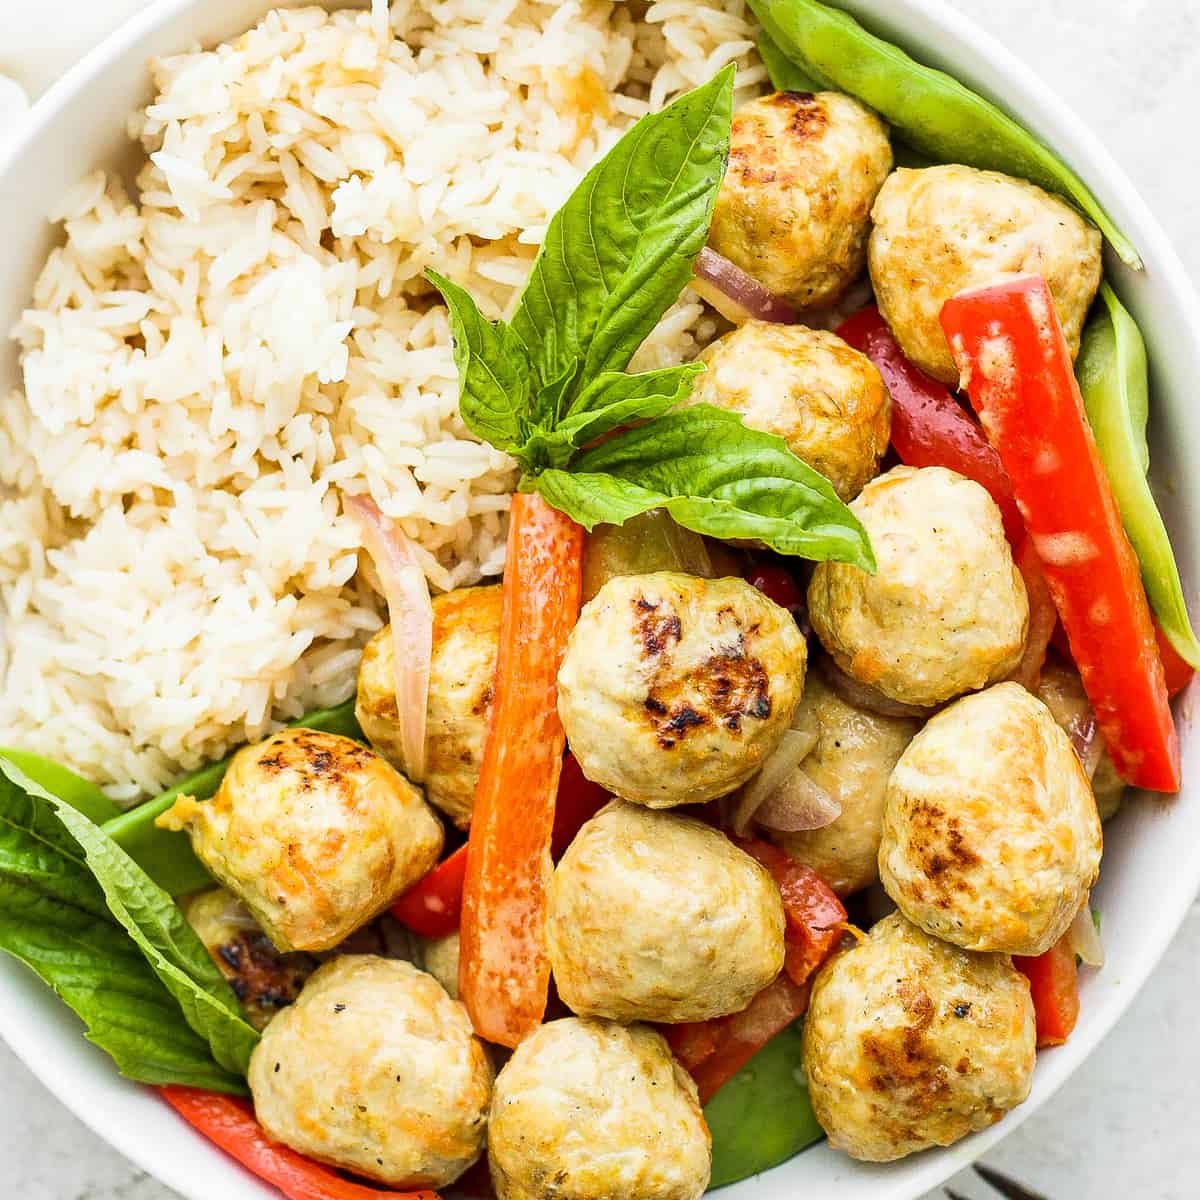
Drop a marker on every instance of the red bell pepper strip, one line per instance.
(1178, 672)
(1010, 349)
(712, 1052)
(434, 906)
(228, 1122)
(1054, 981)
(929, 426)
(579, 800)
(1043, 618)
(776, 583)
(815, 916)
(504, 970)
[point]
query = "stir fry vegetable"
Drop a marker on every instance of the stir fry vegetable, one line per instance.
(86, 797)
(762, 1116)
(504, 971)
(1009, 346)
(929, 427)
(653, 541)
(930, 110)
(434, 907)
(229, 1123)
(1113, 379)
(1054, 981)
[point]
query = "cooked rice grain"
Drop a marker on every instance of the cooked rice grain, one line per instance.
(208, 367)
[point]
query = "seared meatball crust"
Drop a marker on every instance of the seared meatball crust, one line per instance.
(991, 837)
(674, 689)
(315, 833)
(589, 1110)
(466, 637)
(375, 1070)
(825, 399)
(658, 917)
(946, 229)
(911, 1043)
(794, 208)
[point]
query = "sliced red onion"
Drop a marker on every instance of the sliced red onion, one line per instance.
(1083, 938)
(864, 696)
(780, 764)
(798, 804)
(1061, 691)
(737, 296)
(410, 611)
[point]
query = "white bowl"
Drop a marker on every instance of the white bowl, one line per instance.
(1151, 871)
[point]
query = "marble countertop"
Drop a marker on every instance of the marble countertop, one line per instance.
(1124, 1125)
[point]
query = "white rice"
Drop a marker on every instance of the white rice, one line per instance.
(208, 367)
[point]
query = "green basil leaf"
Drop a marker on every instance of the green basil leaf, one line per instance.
(65, 784)
(621, 249)
(1114, 381)
(157, 927)
(55, 918)
(610, 401)
(715, 476)
(930, 110)
(493, 371)
(165, 855)
(762, 1116)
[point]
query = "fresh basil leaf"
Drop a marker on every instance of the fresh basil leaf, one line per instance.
(65, 784)
(166, 855)
(157, 927)
(715, 476)
(54, 917)
(762, 1116)
(785, 75)
(610, 401)
(621, 249)
(493, 371)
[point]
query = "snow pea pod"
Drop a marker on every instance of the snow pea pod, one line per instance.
(762, 1116)
(785, 75)
(930, 110)
(59, 781)
(167, 857)
(1113, 378)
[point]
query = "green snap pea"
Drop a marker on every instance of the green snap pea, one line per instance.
(785, 75)
(931, 111)
(70, 788)
(1114, 379)
(762, 1116)
(167, 857)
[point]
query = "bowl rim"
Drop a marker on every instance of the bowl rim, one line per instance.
(920, 1173)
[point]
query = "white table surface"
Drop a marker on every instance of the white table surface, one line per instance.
(1124, 1127)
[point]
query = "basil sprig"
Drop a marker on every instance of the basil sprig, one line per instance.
(546, 385)
(82, 914)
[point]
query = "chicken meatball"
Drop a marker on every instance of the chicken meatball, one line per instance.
(315, 833)
(943, 230)
(263, 979)
(911, 1043)
(794, 208)
(852, 759)
(375, 1070)
(466, 634)
(807, 386)
(439, 956)
(674, 689)
(991, 838)
(587, 1110)
(946, 611)
(656, 917)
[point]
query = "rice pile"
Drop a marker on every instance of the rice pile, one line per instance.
(209, 366)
